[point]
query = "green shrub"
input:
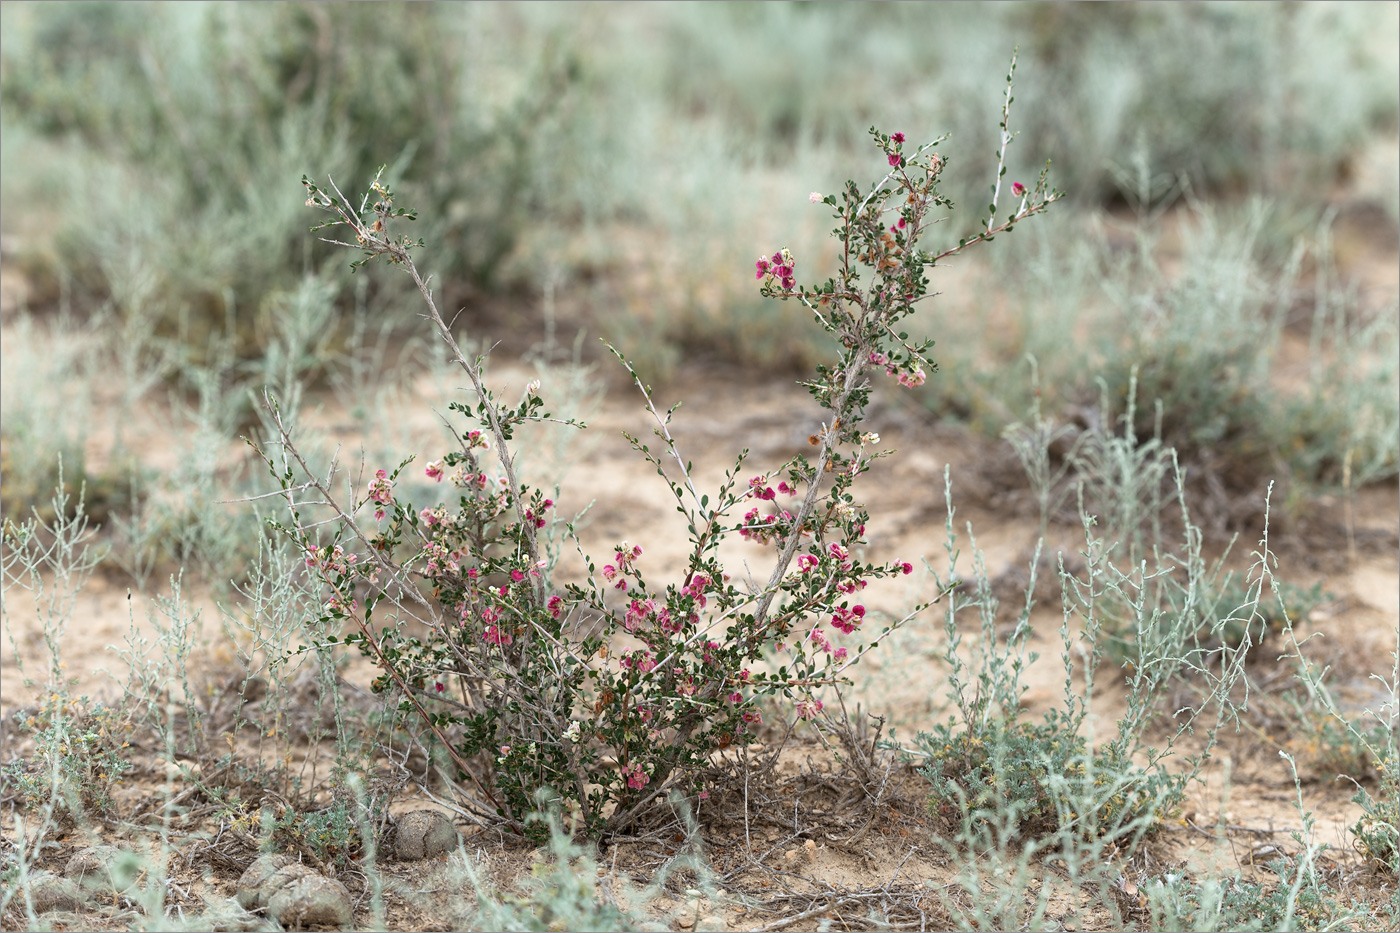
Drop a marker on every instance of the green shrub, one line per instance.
(79, 756)
(191, 112)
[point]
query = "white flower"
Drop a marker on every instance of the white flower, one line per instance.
(815, 197)
(534, 387)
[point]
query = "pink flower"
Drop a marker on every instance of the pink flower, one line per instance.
(808, 709)
(494, 636)
(555, 605)
(636, 777)
(381, 492)
(637, 614)
(815, 197)
(434, 470)
(643, 661)
(895, 159)
(840, 655)
(439, 687)
(897, 137)
(806, 562)
(516, 576)
(847, 620)
(1018, 189)
(906, 567)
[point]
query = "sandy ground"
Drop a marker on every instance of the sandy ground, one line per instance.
(1248, 786)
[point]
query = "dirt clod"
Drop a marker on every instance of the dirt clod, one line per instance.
(49, 892)
(424, 834)
(102, 869)
(294, 894)
(311, 899)
(254, 888)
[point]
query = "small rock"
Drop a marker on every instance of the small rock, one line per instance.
(713, 923)
(311, 899)
(424, 834)
(265, 877)
(107, 869)
(49, 892)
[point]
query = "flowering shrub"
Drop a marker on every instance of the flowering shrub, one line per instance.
(617, 687)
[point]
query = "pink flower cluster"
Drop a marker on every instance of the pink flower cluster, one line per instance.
(330, 559)
(758, 527)
(462, 479)
(907, 379)
(847, 620)
(818, 638)
(894, 157)
(494, 634)
(778, 266)
(759, 489)
(696, 589)
(640, 660)
(538, 520)
(337, 605)
(614, 573)
(641, 612)
(381, 492)
(440, 559)
(636, 777)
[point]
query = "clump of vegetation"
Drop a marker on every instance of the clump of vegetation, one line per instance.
(80, 755)
(519, 668)
(1378, 831)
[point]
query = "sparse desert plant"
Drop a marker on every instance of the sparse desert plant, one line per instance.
(79, 756)
(989, 767)
(79, 745)
(1378, 831)
(521, 669)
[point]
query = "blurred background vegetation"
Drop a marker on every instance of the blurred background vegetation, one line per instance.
(620, 165)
